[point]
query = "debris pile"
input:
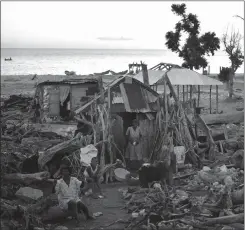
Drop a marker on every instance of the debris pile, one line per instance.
(29, 158)
(211, 196)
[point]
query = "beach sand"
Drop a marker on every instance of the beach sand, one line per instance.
(22, 84)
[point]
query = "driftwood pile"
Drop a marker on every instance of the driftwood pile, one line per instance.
(30, 160)
(29, 157)
(20, 146)
(209, 194)
(199, 200)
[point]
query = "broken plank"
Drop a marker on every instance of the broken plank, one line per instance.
(25, 179)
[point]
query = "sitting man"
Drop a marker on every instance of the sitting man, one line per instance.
(68, 189)
(91, 174)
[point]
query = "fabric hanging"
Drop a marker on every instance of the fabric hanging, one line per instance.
(64, 92)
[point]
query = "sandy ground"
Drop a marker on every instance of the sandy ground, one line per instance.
(225, 104)
(23, 84)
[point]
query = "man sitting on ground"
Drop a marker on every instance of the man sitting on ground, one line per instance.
(68, 189)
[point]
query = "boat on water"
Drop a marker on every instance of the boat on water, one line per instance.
(8, 59)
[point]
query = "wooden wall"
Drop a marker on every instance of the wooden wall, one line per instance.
(80, 94)
(118, 134)
(148, 129)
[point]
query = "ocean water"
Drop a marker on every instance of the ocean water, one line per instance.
(82, 61)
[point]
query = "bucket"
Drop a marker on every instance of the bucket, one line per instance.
(180, 154)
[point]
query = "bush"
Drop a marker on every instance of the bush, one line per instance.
(224, 74)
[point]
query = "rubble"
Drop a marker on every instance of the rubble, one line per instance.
(197, 202)
(212, 194)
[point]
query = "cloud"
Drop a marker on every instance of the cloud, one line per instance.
(115, 39)
(99, 24)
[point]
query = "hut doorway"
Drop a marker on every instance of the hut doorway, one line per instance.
(65, 108)
(127, 120)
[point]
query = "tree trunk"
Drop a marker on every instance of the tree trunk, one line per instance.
(239, 218)
(231, 78)
(69, 146)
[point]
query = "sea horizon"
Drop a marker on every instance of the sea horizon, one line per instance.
(55, 61)
(66, 48)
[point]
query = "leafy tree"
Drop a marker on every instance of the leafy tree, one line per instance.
(232, 44)
(196, 47)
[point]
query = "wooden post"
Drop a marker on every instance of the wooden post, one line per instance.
(100, 83)
(195, 114)
(109, 129)
(109, 101)
(198, 96)
(183, 93)
(210, 99)
(93, 111)
(166, 105)
(191, 104)
(190, 92)
(187, 87)
(178, 91)
(145, 74)
(217, 99)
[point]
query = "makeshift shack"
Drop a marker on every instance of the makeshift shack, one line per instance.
(178, 77)
(57, 99)
(124, 100)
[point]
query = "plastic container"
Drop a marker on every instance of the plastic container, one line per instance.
(120, 174)
(180, 154)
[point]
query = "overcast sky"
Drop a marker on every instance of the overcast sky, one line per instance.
(81, 24)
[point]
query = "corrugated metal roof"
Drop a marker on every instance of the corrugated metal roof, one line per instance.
(190, 77)
(154, 76)
(76, 79)
(149, 96)
(178, 76)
